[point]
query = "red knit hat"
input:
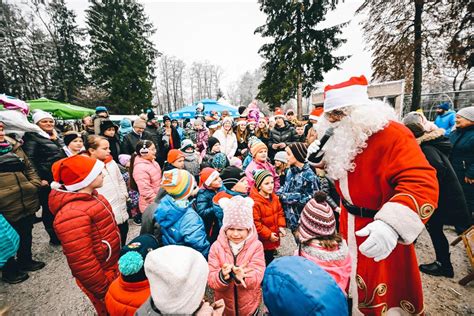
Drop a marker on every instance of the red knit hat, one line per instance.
(350, 92)
(279, 113)
(317, 219)
(207, 176)
(174, 154)
(316, 113)
(76, 172)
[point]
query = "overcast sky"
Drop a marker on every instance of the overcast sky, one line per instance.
(222, 32)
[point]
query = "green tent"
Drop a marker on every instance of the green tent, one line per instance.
(59, 110)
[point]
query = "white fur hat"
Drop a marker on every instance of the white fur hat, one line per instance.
(39, 115)
(178, 278)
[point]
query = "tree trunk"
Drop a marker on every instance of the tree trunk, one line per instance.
(417, 69)
(299, 96)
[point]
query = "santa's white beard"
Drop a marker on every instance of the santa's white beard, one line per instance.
(351, 135)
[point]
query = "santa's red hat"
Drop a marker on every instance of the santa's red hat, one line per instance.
(76, 172)
(316, 114)
(351, 92)
(207, 176)
(279, 113)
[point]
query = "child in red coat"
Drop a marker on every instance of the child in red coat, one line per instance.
(268, 214)
(85, 225)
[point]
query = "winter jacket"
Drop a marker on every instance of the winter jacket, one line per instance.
(147, 175)
(205, 209)
(19, 184)
(9, 241)
(202, 137)
(446, 121)
(285, 134)
(336, 262)
(300, 185)
(191, 134)
(207, 159)
(268, 217)
(191, 163)
(90, 238)
(42, 152)
(114, 189)
(162, 153)
(256, 165)
(181, 226)
(131, 140)
(238, 300)
(452, 208)
(124, 298)
(228, 142)
(149, 223)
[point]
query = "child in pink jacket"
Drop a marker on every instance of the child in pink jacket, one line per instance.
(319, 241)
(259, 161)
(236, 259)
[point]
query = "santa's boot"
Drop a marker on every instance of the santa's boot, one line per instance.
(11, 272)
(438, 269)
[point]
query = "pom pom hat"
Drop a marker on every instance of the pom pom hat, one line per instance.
(207, 176)
(178, 183)
(351, 92)
(238, 212)
(132, 257)
(317, 219)
(76, 172)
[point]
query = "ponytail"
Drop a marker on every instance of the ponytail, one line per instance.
(133, 184)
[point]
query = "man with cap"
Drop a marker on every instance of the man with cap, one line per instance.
(462, 157)
(388, 191)
(445, 118)
(138, 133)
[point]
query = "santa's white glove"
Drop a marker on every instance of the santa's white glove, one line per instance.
(380, 242)
(314, 147)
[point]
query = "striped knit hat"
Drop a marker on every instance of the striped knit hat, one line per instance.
(257, 147)
(317, 219)
(178, 183)
(259, 176)
(299, 150)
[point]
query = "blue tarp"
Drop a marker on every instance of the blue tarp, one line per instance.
(209, 105)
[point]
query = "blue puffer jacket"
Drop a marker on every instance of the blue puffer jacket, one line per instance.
(181, 226)
(205, 209)
(446, 121)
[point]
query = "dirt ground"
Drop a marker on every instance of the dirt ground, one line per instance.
(53, 291)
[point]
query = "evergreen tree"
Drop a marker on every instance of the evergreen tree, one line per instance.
(122, 58)
(300, 52)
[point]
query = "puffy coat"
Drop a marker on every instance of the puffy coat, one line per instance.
(228, 142)
(42, 152)
(446, 121)
(124, 298)
(191, 163)
(336, 262)
(285, 134)
(19, 184)
(114, 189)
(205, 209)
(452, 208)
(147, 175)
(181, 226)
(237, 298)
(268, 217)
(90, 238)
(207, 159)
(256, 165)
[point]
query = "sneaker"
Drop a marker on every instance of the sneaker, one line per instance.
(437, 269)
(137, 219)
(33, 265)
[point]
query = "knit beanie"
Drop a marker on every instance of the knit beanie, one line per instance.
(238, 212)
(252, 140)
(132, 257)
(259, 176)
(220, 161)
(299, 150)
(174, 154)
(257, 147)
(39, 115)
(281, 156)
(166, 118)
(187, 143)
(212, 141)
(178, 183)
(139, 123)
(227, 119)
(99, 109)
(106, 124)
(230, 176)
(317, 219)
(124, 159)
(70, 136)
(178, 279)
(444, 106)
(207, 176)
(467, 113)
(76, 172)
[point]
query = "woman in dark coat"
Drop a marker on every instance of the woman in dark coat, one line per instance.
(452, 208)
(109, 130)
(170, 140)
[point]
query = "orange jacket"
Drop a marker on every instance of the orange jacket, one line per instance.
(268, 217)
(124, 298)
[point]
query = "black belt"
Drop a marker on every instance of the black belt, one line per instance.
(358, 211)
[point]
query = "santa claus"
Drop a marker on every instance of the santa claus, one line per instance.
(388, 190)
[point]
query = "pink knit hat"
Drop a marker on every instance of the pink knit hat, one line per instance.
(317, 219)
(238, 212)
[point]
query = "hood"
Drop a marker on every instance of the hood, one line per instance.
(168, 213)
(125, 123)
(222, 239)
(437, 139)
(59, 198)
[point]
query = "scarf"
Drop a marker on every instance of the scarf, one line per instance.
(235, 248)
(5, 147)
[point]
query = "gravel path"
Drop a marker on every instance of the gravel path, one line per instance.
(53, 291)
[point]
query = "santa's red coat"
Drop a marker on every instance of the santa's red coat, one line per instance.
(392, 176)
